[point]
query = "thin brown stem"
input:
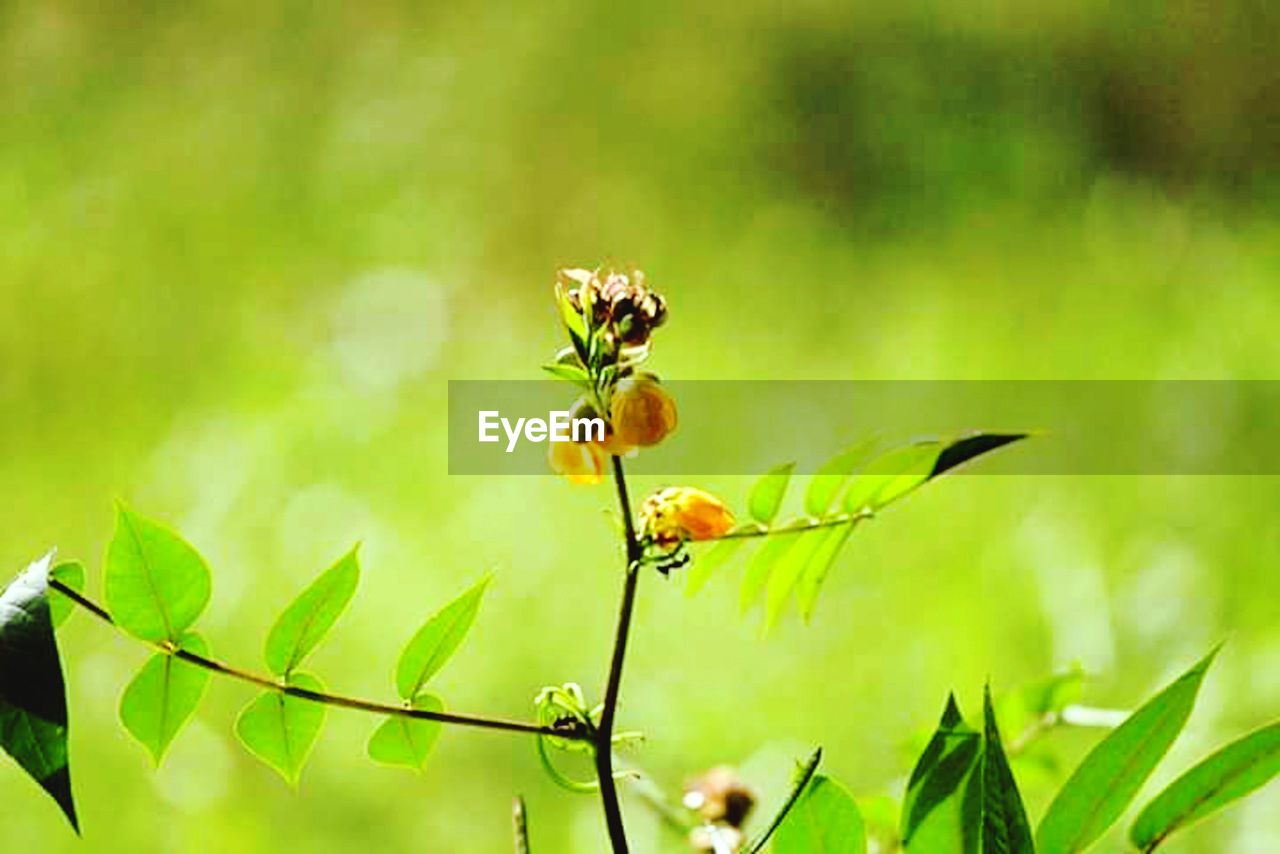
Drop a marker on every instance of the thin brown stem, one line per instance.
(319, 696)
(604, 733)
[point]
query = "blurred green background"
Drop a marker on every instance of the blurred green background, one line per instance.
(244, 247)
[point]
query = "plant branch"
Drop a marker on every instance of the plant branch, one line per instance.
(796, 527)
(319, 696)
(604, 733)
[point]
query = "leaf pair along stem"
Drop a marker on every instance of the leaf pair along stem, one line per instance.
(324, 698)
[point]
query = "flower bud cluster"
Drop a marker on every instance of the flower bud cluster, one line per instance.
(620, 303)
(723, 802)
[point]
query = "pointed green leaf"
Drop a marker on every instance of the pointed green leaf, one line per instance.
(766, 495)
(815, 571)
(310, 617)
(573, 319)
(280, 729)
(800, 780)
(163, 697)
(891, 475)
(833, 475)
(156, 583)
(825, 820)
(33, 698)
(933, 815)
(71, 574)
(569, 373)
(437, 640)
(897, 472)
(1241, 767)
(706, 563)
(760, 566)
(1005, 829)
(406, 741)
(1109, 777)
(783, 579)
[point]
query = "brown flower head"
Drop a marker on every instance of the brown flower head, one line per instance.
(720, 797)
(621, 303)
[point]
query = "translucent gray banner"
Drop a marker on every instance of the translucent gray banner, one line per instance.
(747, 427)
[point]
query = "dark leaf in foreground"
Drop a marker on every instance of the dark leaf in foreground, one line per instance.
(963, 450)
(33, 700)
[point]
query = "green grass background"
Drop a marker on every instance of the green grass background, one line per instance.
(243, 247)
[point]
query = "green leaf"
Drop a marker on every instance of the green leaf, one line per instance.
(437, 640)
(824, 820)
(163, 696)
(800, 780)
(761, 565)
(783, 579)
(310, 617)
(33, 698)
(815, 571)
(897, 472)
(933, 816)
(156, 584)
(833, 475)
(890, 476)
(766, 495)
(706, 563)
(1110, 776)
(1229, 774)
(1004, 820)
(71, 574)
(280, 729)
(405, 741)
(569, 373)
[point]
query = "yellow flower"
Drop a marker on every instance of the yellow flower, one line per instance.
(683, 513)
(641, 411)
(580, 462)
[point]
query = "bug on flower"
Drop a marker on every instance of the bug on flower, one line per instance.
(682, 513)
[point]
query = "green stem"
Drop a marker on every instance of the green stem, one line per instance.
(604, 733)
(320, 696)
(795, 527)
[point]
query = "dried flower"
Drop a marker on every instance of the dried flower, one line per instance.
(720, 796)
(680, 513)
(621, 303)
(641, 411)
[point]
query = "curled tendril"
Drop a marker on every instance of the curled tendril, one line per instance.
(564, 708)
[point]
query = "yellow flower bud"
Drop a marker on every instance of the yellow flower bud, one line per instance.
(642, 412)
(684, 513)
(580, 462)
